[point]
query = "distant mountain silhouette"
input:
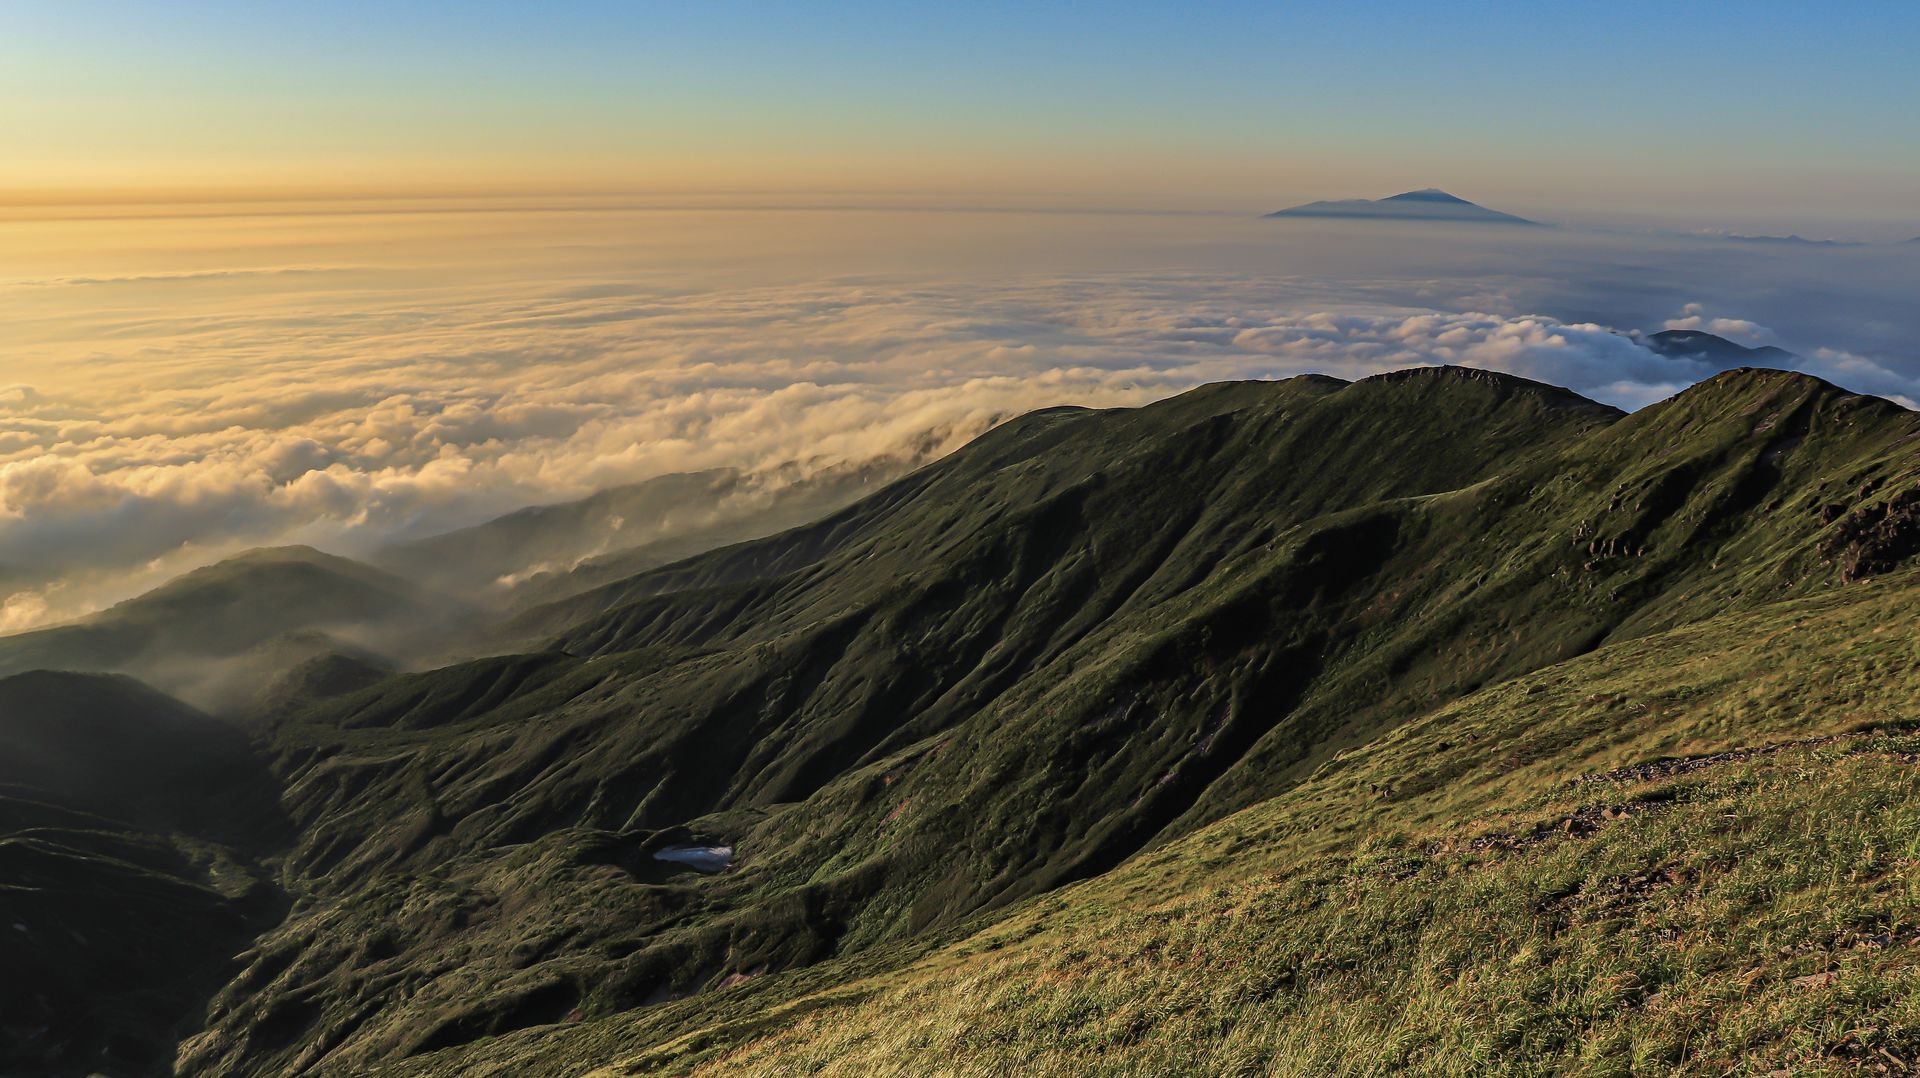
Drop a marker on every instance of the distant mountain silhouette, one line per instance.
(1430, 204)
(1722, 353)
(1790, 240)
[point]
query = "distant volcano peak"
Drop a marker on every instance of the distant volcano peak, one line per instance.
(1427, 194)
(1426, 204)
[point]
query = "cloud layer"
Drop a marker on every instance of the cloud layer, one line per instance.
(195, 419)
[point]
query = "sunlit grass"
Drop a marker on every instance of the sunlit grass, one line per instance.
(1747, 916)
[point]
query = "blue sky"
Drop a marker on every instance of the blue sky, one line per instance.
(1761, 105)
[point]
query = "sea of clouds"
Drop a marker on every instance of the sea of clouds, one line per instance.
(347, 414)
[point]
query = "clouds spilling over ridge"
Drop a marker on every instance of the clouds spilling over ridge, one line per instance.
(268, 423)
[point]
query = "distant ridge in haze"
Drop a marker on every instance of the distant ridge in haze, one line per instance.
(1792, 240)
(1430, 204)
(1706, 347)
(217, 635)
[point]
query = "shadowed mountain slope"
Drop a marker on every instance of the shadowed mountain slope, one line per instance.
(124, 885)
(1085, 636)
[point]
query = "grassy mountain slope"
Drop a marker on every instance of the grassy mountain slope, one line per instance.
(217, 636)
(1088, 635)
(1690, 851)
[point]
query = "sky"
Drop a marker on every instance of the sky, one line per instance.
(1729, 115)
(349, 274)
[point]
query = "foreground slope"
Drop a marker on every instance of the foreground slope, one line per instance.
(1087, 635)
(1690, 852)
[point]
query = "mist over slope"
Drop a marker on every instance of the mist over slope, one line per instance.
(552, 550)
(219, 635)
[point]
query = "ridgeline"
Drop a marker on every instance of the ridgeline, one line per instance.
(1441, 721)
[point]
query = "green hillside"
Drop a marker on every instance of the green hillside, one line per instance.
(1692, 851)
(1285, 726)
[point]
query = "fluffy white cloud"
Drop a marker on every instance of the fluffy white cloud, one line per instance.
(1739, 330)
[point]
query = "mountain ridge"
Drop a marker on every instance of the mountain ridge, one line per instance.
(1054, 663)
(1076, 642)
